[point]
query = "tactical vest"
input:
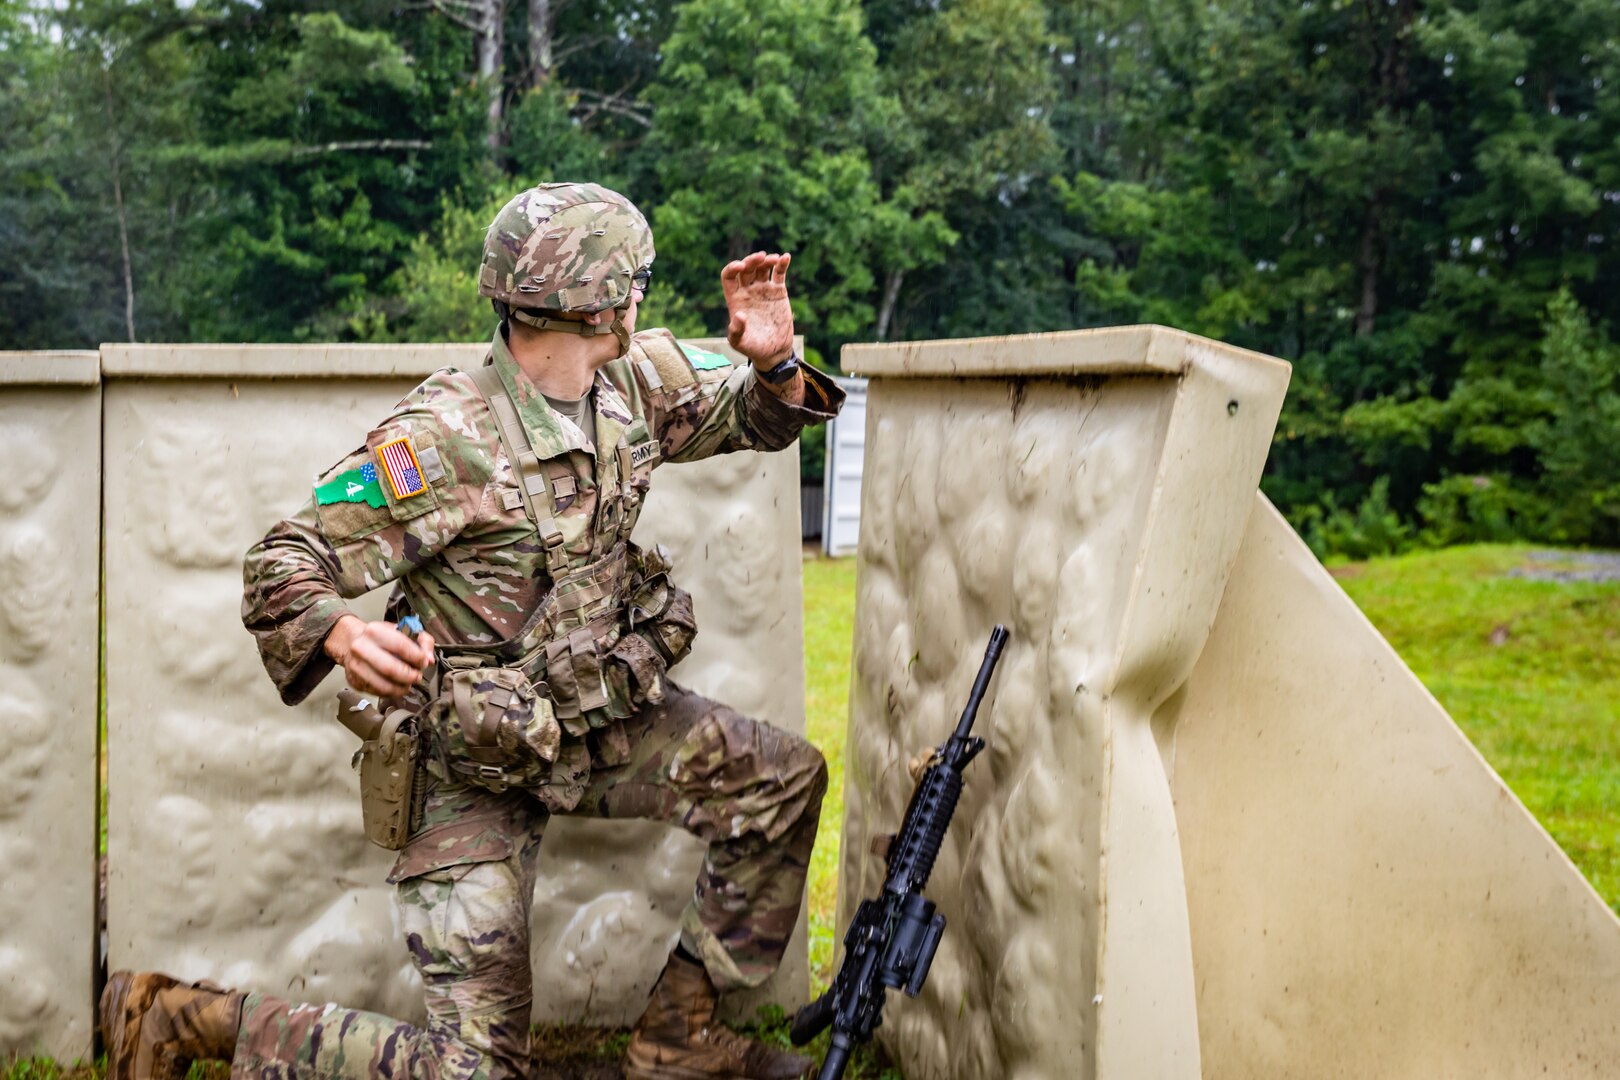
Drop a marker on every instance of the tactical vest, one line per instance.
(596, 646)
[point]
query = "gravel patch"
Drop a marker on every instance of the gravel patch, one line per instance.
(1570, 567)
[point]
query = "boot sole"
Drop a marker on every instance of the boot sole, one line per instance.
(662, 1071)
(667, 1072)
(633, 1071)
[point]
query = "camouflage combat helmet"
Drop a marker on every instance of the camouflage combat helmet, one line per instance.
(565, 248)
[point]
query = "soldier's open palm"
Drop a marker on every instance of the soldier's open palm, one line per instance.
(761, 326)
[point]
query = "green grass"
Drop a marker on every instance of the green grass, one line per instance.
(829, 631)
(40, 1068)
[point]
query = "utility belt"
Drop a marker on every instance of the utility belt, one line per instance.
(598, 646)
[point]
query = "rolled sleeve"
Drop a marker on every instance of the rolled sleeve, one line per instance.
(774, 423)
(290, 604)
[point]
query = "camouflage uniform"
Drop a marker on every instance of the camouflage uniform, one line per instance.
(598, 732)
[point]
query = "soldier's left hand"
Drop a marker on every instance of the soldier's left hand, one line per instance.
(761, 326)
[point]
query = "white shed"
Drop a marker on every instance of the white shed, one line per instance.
(846, 451)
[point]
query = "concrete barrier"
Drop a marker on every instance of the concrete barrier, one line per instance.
(1220, 829)
(1367, 897)
(50, 532)
(1090, 490)
(235, 850)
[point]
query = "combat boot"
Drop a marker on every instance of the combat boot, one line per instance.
(155, 1026)
(677, 1038)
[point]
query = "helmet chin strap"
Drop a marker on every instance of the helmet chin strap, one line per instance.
(621, 332)
(572, 326)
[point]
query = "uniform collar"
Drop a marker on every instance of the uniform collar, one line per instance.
(548, 434)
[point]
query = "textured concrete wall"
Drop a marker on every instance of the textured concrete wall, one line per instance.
(1367, 897)
(1089, 490)
(50, 516)
(235, 847)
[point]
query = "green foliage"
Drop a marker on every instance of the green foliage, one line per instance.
(1579, 439)
(765, 112)
(1417, 204)
(44, 1068)
(1373, 528)
(548, 145)
(1465, 509)
(434, 295)
(771, 1024)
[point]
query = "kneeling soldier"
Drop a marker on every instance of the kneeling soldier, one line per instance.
(502, 503)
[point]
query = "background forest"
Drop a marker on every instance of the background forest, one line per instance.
(1415, 201)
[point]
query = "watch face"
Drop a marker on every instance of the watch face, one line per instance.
(782, 372)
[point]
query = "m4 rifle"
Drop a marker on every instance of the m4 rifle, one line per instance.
(891, 941)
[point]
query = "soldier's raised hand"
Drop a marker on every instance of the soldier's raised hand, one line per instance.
(761, 325)
(376, 657)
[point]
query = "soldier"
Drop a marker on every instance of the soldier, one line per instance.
(501, 502)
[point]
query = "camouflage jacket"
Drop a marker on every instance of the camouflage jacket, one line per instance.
(453, 533)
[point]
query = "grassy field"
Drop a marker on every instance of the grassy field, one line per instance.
(829, 629)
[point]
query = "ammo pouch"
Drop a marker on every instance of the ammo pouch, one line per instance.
(390, 781)
(502, 726)
(661, 624)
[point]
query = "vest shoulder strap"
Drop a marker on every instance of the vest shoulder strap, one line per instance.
(531, 478)
(669, 363)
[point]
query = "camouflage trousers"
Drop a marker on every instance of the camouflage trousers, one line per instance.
(465, 888)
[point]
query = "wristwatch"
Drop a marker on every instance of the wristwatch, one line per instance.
(782, 372)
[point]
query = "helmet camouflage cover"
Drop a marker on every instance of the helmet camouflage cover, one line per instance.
(565, 247)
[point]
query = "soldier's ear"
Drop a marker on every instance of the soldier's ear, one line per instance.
(597, 318)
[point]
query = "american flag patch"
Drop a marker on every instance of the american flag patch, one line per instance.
(398, 460)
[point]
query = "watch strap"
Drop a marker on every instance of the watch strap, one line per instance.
(782, 372)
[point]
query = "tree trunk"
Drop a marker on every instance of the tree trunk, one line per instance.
(540, 32)
(1370, 259)
(123, 243)
(118, 204)
(891, 296)
(1391, 71)
(490, 35)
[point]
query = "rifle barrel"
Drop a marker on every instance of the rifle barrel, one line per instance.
(981, 683)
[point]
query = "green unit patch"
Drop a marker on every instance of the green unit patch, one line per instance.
(703, 360)
(356, 485)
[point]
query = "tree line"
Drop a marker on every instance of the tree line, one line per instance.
(1417, 202)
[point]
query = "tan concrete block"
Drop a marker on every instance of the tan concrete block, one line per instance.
(50, 514)
(236, 845)
(1367, 897)
(1097, 515)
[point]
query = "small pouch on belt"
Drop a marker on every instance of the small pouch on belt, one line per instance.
(506, 724)
(645, 665)
(661, 611)
(574, 672)
(390, 785)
